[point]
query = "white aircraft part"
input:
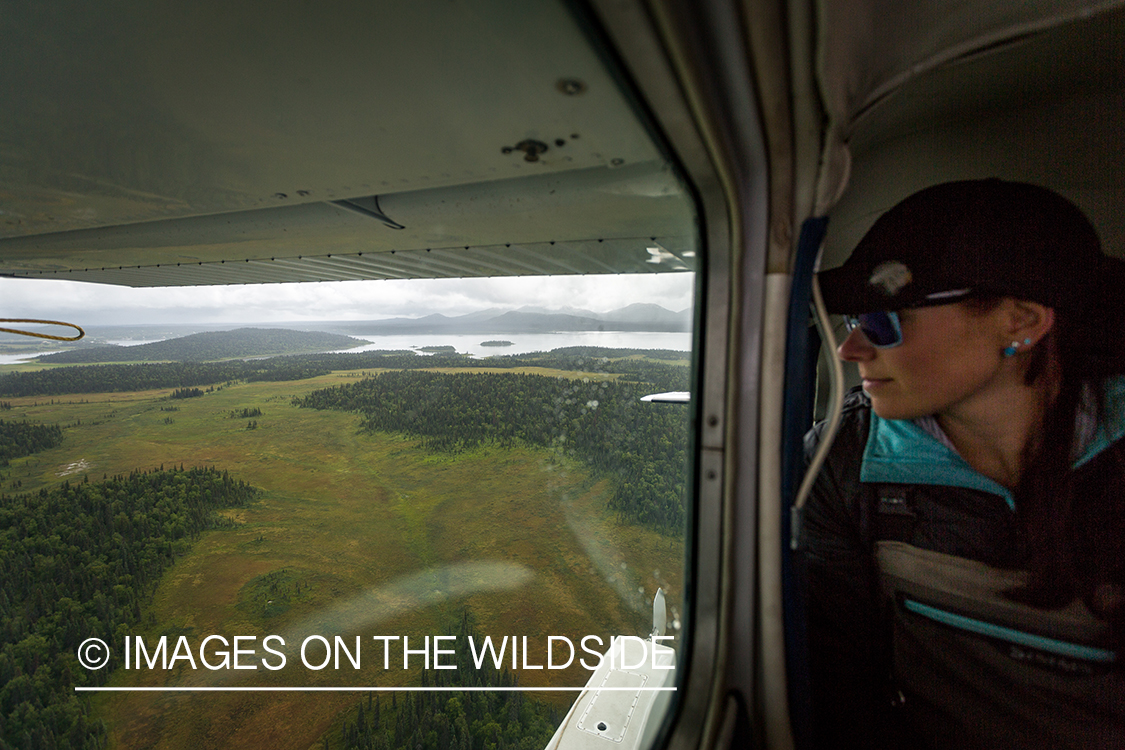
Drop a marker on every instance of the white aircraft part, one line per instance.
(659, 613)
(607, 716)
(671, 397)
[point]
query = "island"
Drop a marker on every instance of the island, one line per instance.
(496, 343)
(212, 346)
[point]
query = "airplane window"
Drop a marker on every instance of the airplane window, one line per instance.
(341, 503)
(404, 506)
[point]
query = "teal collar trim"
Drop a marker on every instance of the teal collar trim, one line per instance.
(900, 452)
(1112, 427)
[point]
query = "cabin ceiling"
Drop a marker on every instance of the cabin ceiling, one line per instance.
(1022, 91)
(153, 144)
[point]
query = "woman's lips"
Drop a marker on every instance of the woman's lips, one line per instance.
(874, 383)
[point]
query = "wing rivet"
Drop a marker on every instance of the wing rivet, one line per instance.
(570, 86)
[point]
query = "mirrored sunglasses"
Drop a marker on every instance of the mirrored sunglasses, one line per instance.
(882, 328)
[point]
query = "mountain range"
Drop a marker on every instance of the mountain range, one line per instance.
(637, 317)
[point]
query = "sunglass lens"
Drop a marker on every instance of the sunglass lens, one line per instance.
(881, 328)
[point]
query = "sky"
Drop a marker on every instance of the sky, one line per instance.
(99, 304)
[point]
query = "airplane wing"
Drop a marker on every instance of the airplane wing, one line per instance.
(205, 164)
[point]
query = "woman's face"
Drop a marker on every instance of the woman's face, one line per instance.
(950, 359)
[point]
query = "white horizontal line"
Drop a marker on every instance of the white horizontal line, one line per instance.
(362, 689)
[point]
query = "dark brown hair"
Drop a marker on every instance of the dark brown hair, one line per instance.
(1074, 522)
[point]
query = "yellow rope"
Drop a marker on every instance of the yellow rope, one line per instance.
(81, 333)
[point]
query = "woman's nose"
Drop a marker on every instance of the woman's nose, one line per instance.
(856, 347)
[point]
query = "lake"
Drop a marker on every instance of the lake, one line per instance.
(470, 343)
(523, 343)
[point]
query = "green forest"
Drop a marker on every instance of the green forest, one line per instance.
(473, 720)
(603, 423)
(79, 561)
(24, 438)
(138, 377)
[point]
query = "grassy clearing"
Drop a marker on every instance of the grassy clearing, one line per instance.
(353, 535)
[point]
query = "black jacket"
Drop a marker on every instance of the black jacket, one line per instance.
(907, 553)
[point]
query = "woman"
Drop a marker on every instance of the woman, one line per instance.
(965, 541)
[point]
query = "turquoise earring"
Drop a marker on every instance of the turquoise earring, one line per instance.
(1011, 349)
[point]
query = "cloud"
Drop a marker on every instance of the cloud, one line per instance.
(97, 304)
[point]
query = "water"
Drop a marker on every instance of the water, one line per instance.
(524, 343)
(470, 343)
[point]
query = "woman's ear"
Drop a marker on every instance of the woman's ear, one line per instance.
(1027, 322)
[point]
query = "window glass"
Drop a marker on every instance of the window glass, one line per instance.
(482, 476)
(401, 507)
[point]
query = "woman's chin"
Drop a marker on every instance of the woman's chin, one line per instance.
(891, 408)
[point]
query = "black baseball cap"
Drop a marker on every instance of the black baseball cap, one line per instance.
(987, 236)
